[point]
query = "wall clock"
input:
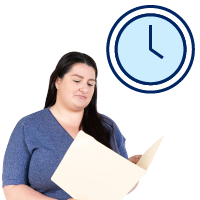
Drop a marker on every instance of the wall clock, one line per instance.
(150, 49)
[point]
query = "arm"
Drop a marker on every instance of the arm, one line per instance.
(23, 192)
(15, 168)
(134, 159)
(122, 150)
(133, 187)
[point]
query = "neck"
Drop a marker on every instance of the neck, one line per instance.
(67, 116)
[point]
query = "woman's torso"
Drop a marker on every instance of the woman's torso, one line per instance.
(47, 142)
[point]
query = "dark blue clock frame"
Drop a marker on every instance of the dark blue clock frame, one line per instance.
(158, 82)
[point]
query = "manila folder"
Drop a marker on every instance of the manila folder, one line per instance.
(91, 171)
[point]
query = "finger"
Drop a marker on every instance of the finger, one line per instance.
(138, 156)
(72, 199)
(135, 159)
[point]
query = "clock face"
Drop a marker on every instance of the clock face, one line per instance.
(150, 49)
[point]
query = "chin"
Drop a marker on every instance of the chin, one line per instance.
(80, 106)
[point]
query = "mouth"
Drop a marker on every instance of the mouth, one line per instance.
(81, 96)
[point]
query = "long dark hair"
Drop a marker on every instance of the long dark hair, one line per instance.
(93, 123)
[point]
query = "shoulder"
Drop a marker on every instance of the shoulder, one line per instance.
(29, 128)
(118, 139)
(35, 118)
(26, 126)
(107, 119)
(111, 123)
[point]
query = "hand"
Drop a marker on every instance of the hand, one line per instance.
(135, 159)
(134, 187)
(71, 199)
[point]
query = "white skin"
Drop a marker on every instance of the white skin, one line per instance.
(74, 92)
(70, 90)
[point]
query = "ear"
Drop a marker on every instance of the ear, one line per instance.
(57, 82)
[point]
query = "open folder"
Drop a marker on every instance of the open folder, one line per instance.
(91, 171)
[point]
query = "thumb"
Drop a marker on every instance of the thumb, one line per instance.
(72, 199)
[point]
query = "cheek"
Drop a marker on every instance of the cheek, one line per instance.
(66, 92)
(91, 92)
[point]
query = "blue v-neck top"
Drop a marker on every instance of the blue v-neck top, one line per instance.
(35, 149)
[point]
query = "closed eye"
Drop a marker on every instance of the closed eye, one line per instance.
(79, 81)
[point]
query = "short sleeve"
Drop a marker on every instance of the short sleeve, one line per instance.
(119, 138)
(16, 158)
(121, 141)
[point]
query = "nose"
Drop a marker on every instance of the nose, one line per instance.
(83, 88)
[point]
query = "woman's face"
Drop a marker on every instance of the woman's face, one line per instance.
(76, 88)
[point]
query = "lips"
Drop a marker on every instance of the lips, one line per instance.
(81, 96)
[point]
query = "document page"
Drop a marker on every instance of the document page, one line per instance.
(89, 170)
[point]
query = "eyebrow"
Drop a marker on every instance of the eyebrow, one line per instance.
(83, 77)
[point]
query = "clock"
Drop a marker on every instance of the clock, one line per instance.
(150, 49)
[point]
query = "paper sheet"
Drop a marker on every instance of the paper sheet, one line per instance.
(147, 157)
(91, 171)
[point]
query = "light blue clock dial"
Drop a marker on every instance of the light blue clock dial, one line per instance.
(150, 49)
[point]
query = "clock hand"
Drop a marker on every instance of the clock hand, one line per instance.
(156, 53)
(150, 37)
(150, 43)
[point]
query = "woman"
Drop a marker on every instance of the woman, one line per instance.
(40, 140)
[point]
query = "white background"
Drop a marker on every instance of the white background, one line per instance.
(33, 37)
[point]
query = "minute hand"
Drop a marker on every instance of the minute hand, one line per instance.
(150, 43)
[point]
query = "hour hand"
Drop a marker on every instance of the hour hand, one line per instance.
(150, 43)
